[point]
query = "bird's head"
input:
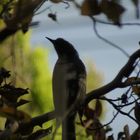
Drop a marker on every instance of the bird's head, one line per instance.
(63, 48)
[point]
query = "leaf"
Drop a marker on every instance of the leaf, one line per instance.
(20, 15)
(96, 130)
(120, 135)
(8, 135)
(23, 116)
(40, 134)
(136, 90)
(12, 113)
(8, 112)
(110, 137)
(53, 16)
(112, 10)
(124, 98)
(89, 113)
(131, 79)
(98, 108)
(127, 133)
(12, 124)
(90, 7)
(21, 102)
(12, 93)
(108, 129)
(136, 134)
(4, 74)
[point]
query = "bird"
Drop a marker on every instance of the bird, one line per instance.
(68, 85)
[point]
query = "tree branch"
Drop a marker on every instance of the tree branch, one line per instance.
(105, 40)
(117, 81)
(121, 24)
(39, 120)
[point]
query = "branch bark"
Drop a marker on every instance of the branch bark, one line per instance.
(36, 121)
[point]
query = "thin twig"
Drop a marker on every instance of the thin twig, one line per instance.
(45, 9)
(40, 4)
(121, 24)
(119, 106)
(122, 112)
(131, 110)
(107, 41)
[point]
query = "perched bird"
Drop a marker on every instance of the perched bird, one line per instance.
(69, 86)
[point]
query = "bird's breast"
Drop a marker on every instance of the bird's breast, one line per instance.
(63, 72)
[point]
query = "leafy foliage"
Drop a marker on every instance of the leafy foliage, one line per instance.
(41, 80)
(20, 59)
(17, 14)
(9, 106)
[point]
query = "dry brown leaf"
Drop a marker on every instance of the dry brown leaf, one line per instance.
(136, 90)
(112, 10)
(90, 7)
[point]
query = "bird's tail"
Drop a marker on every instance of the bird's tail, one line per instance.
(68, 128)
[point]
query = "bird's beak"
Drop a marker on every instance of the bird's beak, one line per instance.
(51, 40)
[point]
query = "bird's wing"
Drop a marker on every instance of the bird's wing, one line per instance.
(76, 93)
